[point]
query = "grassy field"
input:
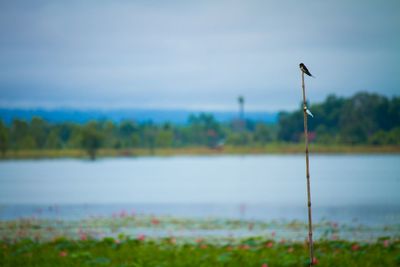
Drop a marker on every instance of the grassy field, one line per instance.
(167, 252)
(275, 148)
(138, 240)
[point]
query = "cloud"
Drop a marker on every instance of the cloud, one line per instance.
(194, 54)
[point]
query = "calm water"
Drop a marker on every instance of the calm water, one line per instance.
(344, 187)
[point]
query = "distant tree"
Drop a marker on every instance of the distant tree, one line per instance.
(361, 119)
(75, 137)
(204, 130)
(394, 136)
(361, 116)
(394, 112)
(21, 136)
(329, 113)
(3, 138)
(18, 132)
(53, 139)
(290, 126)
(262, 134)
(91, 139)
(27, 142)
(378, 138)
(65, 131)
(127, 128)
(109, 130)
(238, 139)
(323, 136)
(149, 137)
(381, 137)
(355, 120)
(38, 130)
(164, 138)
(135, 140)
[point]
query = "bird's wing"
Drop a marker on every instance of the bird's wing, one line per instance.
(309, 113)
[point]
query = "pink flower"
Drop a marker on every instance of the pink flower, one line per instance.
(245, 247)
(273, 234)
(269, 244)
(355, 247)
(199, 240)
(122, 214)
(63, 253)
(264, 265)
(155, 221)
(141, 237)
(386, 243)
(251, 226)
(83, 236)
(315, 261)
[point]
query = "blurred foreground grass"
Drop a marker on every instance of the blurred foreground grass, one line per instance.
(273, 148)
(139, 240)
(166, 252)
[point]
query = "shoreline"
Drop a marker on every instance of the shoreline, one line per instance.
(272, 149)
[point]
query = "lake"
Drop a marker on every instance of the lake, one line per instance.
(345, 188)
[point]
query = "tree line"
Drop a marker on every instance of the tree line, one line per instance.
(362, 119)
(201, 130)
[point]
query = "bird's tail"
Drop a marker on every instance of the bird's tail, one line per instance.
(309, 113)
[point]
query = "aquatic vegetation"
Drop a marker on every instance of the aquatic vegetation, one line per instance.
(139, 251)
(219, 231)
(141, 240)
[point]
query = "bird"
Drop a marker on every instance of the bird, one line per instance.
(305, 70)
(309, 113)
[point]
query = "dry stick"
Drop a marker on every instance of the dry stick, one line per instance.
(310, 239)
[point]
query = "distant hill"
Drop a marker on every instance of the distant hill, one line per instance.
(117, 115)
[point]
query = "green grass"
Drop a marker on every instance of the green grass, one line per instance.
(273, 148)
(166, 252)
(120, 241)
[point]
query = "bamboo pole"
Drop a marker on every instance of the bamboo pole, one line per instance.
(310, 230)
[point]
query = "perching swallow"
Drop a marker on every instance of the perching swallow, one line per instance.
(305, 70)
(309, 113)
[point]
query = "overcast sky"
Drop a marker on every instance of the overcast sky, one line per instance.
(194, 54)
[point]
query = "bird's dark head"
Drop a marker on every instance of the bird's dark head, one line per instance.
(301, 65)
